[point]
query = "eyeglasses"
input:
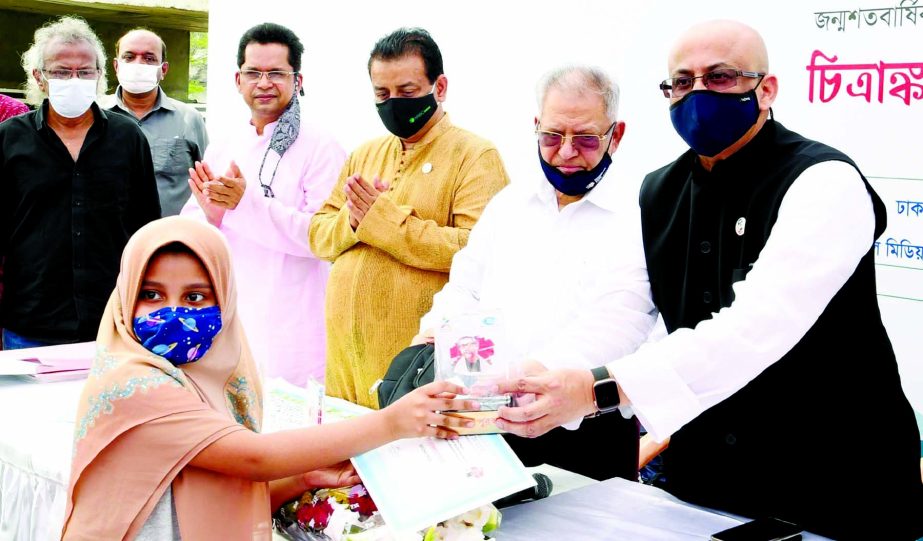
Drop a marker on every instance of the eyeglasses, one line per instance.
(584, 141)
(88, 74)
(254, 76)
(722, 79)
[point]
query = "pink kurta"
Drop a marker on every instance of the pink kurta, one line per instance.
(280, 283)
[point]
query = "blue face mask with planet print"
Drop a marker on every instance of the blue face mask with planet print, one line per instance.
(179, 335)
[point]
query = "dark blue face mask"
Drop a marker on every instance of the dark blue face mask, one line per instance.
(580, 182)
(178, 334)
(712, 121)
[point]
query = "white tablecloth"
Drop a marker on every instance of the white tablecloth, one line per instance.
(36, 440)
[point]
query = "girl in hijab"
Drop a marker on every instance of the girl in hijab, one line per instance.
(167, 442)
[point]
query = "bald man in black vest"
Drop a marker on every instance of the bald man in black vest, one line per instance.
(777, 384)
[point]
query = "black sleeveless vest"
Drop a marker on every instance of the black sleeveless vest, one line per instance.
(825, 436)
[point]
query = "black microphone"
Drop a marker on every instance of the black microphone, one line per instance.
(542, 489)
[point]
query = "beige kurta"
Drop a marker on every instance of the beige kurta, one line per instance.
(386, 272)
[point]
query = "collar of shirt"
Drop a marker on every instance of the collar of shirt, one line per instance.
(39, 120)
(604, 195)
(161, 102)
(267, 129)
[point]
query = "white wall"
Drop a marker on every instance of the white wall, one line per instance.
(495, 51)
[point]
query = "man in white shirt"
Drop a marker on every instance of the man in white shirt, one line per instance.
(777, 376)
(558, 255)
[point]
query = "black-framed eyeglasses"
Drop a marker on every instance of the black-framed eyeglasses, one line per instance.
(582, 141)
(64, 73)
(720, 79)
(275, 76)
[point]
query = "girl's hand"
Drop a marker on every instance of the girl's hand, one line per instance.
(416, 413)
(338, 475)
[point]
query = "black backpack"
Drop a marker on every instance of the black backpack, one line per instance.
(413, 367)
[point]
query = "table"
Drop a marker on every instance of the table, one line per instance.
(36, 443)
(614, 510)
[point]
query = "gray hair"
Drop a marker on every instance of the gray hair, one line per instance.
(581, 79)
(69, 30)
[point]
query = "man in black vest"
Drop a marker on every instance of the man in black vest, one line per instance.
(778, 379)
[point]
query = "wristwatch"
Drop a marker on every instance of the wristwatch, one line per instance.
(605, 392)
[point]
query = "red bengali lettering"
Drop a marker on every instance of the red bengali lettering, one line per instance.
(868, 80)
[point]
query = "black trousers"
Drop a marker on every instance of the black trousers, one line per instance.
(602, 448)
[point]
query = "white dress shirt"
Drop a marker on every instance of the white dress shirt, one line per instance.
(824, 227)
(570, 284)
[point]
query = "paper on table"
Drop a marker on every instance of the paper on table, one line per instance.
(419, 482)
(287, 406)
(48, 359)
(284, 406)
(51, 377)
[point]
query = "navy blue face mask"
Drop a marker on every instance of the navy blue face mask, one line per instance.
(712, 121)
(580, 182)
(577, 183)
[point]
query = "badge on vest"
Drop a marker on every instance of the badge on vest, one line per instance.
(740, 226)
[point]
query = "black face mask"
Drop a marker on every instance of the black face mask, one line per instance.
(405, 116)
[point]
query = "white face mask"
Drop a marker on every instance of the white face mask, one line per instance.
(72, 97)
(138, 78)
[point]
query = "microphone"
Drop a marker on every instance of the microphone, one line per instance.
(542, 489)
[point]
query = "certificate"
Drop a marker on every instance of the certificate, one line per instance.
(415, 483)
(419, 482)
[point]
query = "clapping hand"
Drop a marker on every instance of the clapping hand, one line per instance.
(199, 175)
(360, 196)
(226, 191)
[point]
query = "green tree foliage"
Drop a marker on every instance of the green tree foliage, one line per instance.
(198, 70)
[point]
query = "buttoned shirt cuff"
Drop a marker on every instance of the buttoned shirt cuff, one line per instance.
(658, 395)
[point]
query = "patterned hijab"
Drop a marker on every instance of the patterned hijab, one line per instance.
(141, 420)
(283, 135)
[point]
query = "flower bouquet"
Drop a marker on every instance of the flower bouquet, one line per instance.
(349, 514)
